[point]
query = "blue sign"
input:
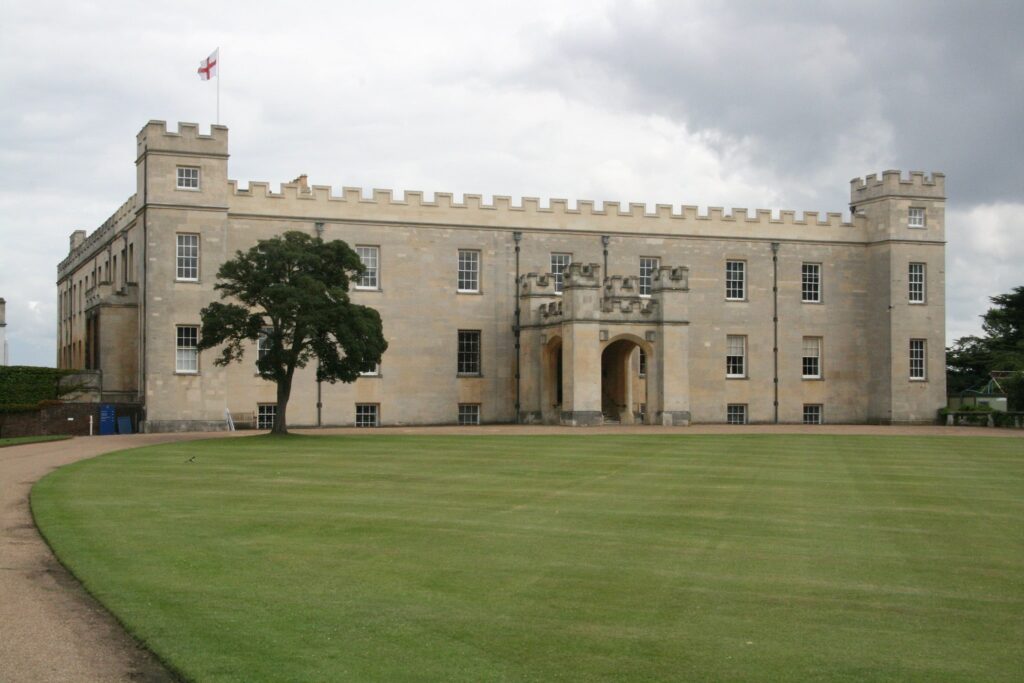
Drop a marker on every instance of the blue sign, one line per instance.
(107, 419)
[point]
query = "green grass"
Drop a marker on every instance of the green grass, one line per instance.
(19, 440)
(641, 558)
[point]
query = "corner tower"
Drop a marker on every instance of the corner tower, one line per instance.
(905, 316)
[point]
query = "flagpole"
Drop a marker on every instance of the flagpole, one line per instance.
(218, 85)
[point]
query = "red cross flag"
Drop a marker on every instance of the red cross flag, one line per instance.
(208, 67)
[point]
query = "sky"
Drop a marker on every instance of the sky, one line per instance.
(763, 105)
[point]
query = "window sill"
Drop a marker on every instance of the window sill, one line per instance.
(188, 189)
(191, 282)
(185, 373)
(917, 303)
(918, 379)
(367, 289)
(468, 375)
(817, 378)
(744, 377)
(468, 291)
(737, 300)
(815, 303)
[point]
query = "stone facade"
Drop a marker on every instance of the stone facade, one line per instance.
(824, 318)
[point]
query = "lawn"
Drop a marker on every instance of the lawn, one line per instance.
(546, 558)
(20, 440)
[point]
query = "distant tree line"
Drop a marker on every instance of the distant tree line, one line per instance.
(971, 360)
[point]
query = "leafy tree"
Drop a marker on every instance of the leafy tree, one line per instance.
(970, 360)
(293, 290)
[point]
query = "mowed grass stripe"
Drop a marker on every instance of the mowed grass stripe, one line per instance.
(747, 557)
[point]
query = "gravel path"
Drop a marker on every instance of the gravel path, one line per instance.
(52, 630)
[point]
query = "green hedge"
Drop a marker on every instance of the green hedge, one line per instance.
(27, 385)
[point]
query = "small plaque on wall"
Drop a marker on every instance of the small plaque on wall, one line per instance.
(602, 335)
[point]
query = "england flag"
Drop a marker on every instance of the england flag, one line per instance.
(208, 67)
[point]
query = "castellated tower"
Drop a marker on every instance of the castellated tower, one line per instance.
(183, 202)
(904, 220)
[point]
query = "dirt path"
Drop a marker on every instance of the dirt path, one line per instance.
(52, 630)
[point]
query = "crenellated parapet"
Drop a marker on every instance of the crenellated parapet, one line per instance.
(892, 183)
(84, 248)
(154, 136)
(537, 285)
(621, 287)
(582, 276)
(670, 278)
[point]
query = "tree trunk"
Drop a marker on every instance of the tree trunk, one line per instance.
(284, 390)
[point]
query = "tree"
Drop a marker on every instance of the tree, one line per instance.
(970, 360)
(292, 290)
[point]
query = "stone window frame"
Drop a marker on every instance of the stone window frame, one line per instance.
(736, 414)
(559, 274)
(370, 279)
(469, 414)
(367, 415)
(187, 179)
(375, 372)
(184, 261)
(648, 266)
(918, 360)
(468, 280)
(642, 364)
(810, 282)
(266, 413)
(813, 414)
(917, 283)
(469, 356)
(735, 280)
(917, 218)
(736, 369)
(186, 349)
(810, 355)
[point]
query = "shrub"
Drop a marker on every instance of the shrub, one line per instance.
(22, 385)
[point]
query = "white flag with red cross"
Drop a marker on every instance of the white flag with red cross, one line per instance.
(208, 67)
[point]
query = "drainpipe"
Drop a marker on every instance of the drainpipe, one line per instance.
(775, 325)
(318, 227)
(516, 237)
(605, 239)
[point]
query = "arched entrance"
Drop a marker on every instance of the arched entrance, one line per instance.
(551, 386)
(624, 381)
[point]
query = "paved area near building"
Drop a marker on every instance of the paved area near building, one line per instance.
(52, 630)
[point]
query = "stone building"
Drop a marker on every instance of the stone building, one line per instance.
(4, 359)
(554, 313)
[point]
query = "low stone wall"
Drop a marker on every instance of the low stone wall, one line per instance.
(63, 418)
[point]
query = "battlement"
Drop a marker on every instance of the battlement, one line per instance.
(81, 245)
(321, 201)
(584, 275)
(670, 278)
(536, 284)
(621, 287)
(628, 306)
(552, 309)
(892, 183)
(154, 136)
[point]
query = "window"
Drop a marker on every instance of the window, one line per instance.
(812, 358)
(188, 257)
(469, 270)
(469, 413)
(736, 356)
(735, 280)
(736, 414)
(810, 291)
(917, 358)
(266, 413)
(366, 415)
(648, 265)
(812, 413)
(916, 218)
(187, 354)
(370, 258)
(188, 177)
(373, 372)
(263, 343)
(643, 363)
(915, 283)
(469, 352)
(559, 262)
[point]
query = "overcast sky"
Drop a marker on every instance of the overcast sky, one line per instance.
(764, 105)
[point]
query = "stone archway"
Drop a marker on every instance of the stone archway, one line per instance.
(623, 385)
(552, 381)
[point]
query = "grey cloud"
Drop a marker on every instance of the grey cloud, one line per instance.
(942, 84)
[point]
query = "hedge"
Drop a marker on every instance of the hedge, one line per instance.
(27, 385)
